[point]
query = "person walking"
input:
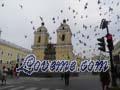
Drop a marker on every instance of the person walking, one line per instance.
(16, 74)
(62, 75)
(11, 72)
(105, 80)
(4, 75)
(67, 76)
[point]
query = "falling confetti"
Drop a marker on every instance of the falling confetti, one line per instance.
(2, 4)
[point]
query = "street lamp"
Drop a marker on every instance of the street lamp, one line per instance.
(0, 32)
(104, 25)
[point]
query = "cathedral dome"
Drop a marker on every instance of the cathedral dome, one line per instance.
(42, 28)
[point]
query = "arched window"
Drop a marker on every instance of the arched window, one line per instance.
(39, 39)
(40, 30)
(63, 28)
(2, 52)
(63, 37)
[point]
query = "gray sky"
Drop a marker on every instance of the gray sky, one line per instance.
(15, 21)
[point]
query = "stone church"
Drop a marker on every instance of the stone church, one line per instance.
(44, 50)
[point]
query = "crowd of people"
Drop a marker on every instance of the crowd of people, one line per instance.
(105, 77)
(5, 72)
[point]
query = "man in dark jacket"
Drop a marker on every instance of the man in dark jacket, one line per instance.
(62, 75)
(67, 75)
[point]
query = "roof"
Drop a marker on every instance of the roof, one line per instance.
(64, 26)
(42, 28)
(7, 43)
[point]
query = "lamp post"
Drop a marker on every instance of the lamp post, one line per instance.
(0, 32)
(104, 24)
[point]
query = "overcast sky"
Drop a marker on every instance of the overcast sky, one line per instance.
(15, 21)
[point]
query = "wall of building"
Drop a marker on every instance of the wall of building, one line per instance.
(9, 55)
(64, 52)
(39, 53)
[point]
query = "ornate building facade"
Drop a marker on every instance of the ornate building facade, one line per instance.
(63, 49)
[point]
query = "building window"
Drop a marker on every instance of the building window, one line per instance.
(2, 52)
(63, 37)
(8, 54)
(7, 62)
(10, 62)
(39, 39)
(0, 61)
(40, 30)
(63, 28)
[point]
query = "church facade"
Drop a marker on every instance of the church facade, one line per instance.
(44, 50)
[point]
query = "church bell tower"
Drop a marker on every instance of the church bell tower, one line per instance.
(40, 42)
(64, 46)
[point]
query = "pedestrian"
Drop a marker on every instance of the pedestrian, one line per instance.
(8, 73)
(11, 72)
(0, 74)
(119, 73)
(16, 74)
(116, 73)
(105, 80)
(62, 75)
(67, 76)
(4, 75)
